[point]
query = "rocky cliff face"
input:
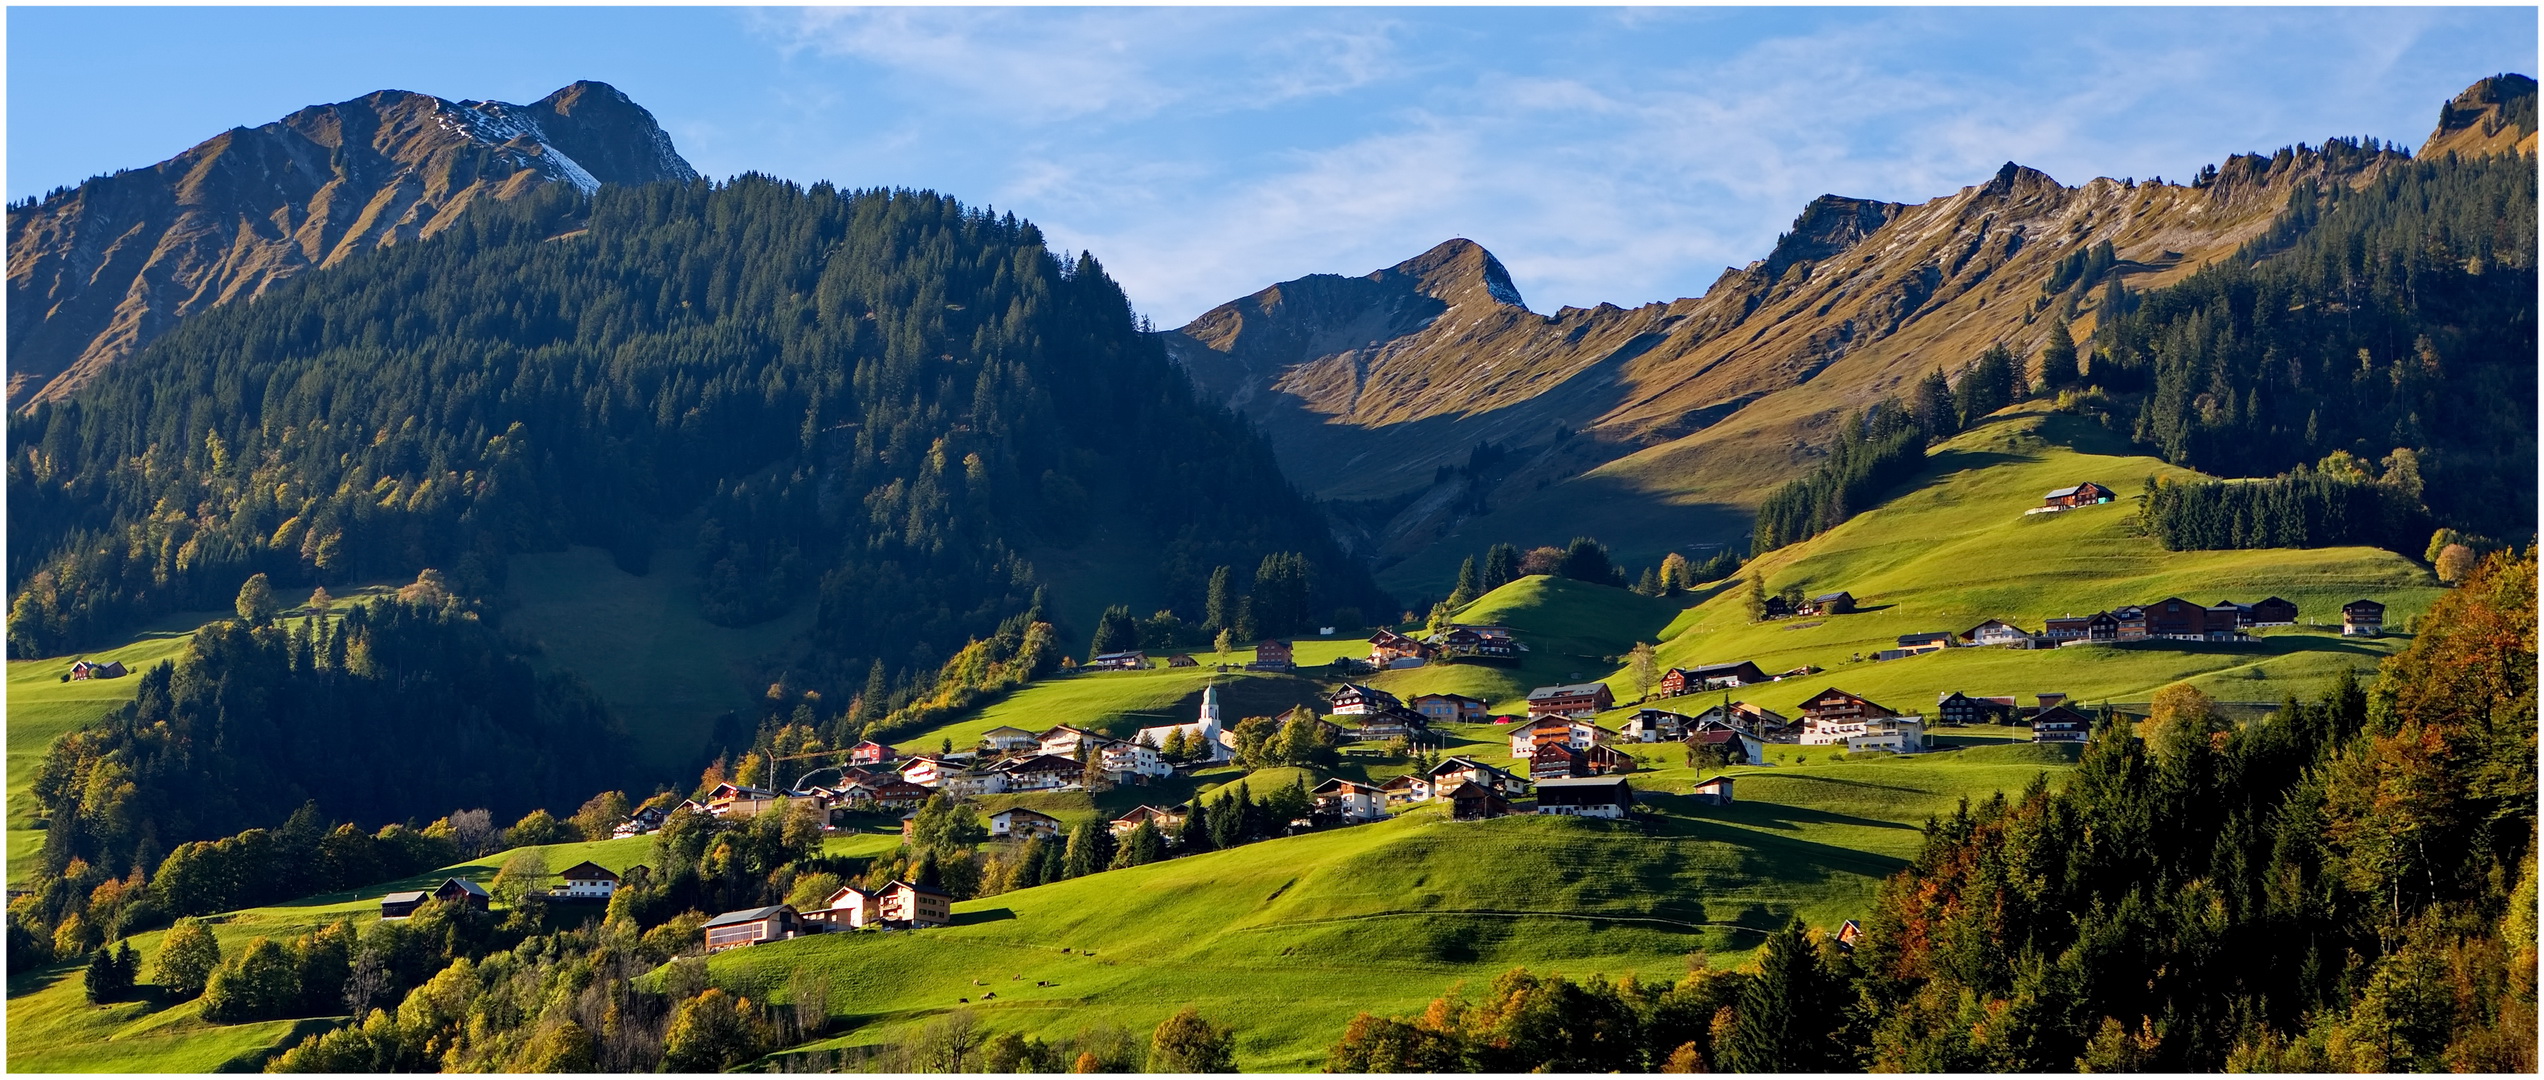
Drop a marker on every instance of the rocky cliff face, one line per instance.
(1658, 427)
(100, 270)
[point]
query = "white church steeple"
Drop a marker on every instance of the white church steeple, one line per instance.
(1210, 711)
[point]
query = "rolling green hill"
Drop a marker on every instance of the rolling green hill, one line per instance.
(1385, 917)
(1955, 549)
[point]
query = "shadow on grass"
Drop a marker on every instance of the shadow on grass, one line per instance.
(1765, 814)
(968, 918)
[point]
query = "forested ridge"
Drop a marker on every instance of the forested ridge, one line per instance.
(868, 402)
(2396, 313)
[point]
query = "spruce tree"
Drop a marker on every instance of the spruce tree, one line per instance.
(1755, 603)
(1194, 834)
(1470, 584)
(1219, 605)
(1932, 407)
(1784, 1012)
(1501, 566)
(2058, 358)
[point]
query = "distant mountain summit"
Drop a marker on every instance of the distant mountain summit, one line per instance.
(2494, 116)
(100, 270)
(1438, 414)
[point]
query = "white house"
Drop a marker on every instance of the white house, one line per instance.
(1020, 823)
(1063, 741)
(1353, 801)
(1898, 734)
(966, 783)
(585, 880)
(850, 906)
(1009, 739)
(1124, 760)
(927, 772)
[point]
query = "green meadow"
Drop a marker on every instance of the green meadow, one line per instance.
(643, 644)
(1955, 549)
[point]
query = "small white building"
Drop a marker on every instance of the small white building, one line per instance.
(1897, 734)
(585, 880)
(1351, 800)
(1020, 823)
(1005, 740)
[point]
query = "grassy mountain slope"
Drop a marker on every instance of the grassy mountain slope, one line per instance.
(1955, 549)
(646, 646)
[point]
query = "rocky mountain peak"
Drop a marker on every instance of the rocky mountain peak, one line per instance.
(1827, 226)
(1457, 271)
(98, 271)
(2493, 116)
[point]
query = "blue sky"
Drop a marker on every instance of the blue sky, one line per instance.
(1620, 155)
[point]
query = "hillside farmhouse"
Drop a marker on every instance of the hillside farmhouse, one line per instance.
(1836, 603)
(1589, 796)
(1713, 791)
(1471, 801)
(1957, 709)
(586, 880)
(1020, 823)
(1575, 699)
(915, 905)
(751, 926)
(2362, 618)
(1272, 656)
(1681, 681)
(1834, 704)
(1997, 632)
(851, 906)
(1448, 708)
(2069, 498)
(2061, 723)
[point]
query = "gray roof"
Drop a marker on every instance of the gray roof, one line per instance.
(465, 885)
(1833, 596)
(1565, 691)
(756, 914)
(1561, 783)
(416, 897)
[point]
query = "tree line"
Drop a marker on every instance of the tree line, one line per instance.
(2307, 507)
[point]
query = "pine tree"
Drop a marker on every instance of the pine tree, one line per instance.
(2058, 358)
(1755, 602)
(1932, 407)
(1470, 584)
(1090, 850)
(1784, 1010)
(1219, 607)
(1501, 566)
(1194, 834)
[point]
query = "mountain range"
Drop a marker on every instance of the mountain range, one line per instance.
(100, 270)
(1660, 427)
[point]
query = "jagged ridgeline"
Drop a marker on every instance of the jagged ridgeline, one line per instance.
(869, 402)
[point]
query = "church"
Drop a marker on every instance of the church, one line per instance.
(1208, 730)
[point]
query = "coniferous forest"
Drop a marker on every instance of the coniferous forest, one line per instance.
(2396, 314)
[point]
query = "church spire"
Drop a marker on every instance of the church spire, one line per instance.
(1210, 709)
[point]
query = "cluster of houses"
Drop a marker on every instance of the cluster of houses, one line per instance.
(2169, 619)
(1454, 642)
(1836, 603)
